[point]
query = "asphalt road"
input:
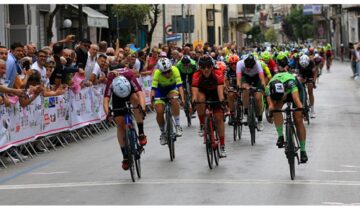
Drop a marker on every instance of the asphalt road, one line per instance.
(89, 173)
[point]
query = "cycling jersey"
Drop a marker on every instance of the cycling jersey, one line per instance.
(307, 72)
(209, 85)
(287, 79)
(127, 73)
(161, 82)
(187, 69)
(266, 69)
(272, 66)
(256, 69)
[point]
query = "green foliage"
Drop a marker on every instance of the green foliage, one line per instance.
(270, 35)
(301, 25)
(133, 13)
(256, 34)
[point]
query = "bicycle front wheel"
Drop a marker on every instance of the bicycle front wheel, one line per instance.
(252, 121)
(290, 148)
(208, 142)
(131, 154)
(170, 135)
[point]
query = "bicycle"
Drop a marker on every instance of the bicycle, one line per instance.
(252, 121)
(307, 101)
(133, 147)
(187, 94)
(292, 143)
(238, 115)
(211, 137)
(169, 125)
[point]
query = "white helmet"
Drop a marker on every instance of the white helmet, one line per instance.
(304, 61)
(316, 55)
(121, 86)
(164, 64)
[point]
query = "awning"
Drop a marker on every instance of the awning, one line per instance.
(95, 18)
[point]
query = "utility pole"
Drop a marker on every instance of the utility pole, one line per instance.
(189, 22)
(213, 10)
(183, 17)
(164, 32)
(80, 22)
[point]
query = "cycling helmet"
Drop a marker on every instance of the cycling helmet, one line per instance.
(121, 86)
(185, 59)
(206, 61)
(282, 59)
(277, 90)
(266, 56)
(164, 64)
(311, 50)
(304, 61)
(233, 58)
(249, 61)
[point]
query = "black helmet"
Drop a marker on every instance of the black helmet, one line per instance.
(277, 90)
(185, 59)
(206, 61)
(250, 61)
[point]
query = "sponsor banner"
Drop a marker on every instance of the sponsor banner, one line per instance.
(146, 88)
(50, 115)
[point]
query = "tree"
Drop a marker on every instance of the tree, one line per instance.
(301, 25)
(136, 15)
(49, 33)
(270, 35)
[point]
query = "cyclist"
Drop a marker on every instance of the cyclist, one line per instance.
(319, 62)
(208, 84)
(122, 87)
(230, 82)
(167, 82)
(328, 56)
(266, 57)
(249, 72)
(282, 62)
(308, 75)
(284, 87)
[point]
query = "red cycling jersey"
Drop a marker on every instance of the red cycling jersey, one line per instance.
(216, 78)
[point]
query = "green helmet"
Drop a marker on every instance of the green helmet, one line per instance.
(281, 56)
(227, 58)
(287, 53)
(266, 56)
(256, 55)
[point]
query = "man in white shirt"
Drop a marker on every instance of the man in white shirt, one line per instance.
(91, 61)
(97, 74)
(39, 65)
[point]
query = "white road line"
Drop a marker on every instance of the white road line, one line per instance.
(338, 203)
(333, 171)
(50, 173)
(182, 181)
(350, 166)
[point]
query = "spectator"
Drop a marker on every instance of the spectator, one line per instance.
(3, 53)
(91, 60)
(34, 89)
(151, 61)
(39, 65)
(3, 84)
(175, 57)
(134, 63)
(102, 48)
(30, 51)
(82, 52)
(187, 51)
(142, 59)
(357, 52)
(352, 59)
(96, 75)
(12, 66)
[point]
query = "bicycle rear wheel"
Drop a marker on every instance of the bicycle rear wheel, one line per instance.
(208, 142)
(239, 118)
(290, 150)
(216, 149)
(251, 120)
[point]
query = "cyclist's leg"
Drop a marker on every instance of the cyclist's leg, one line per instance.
(200, 109)
(231, 101)
(245, 99)
(136, 101)
(278, 122)
(175, 106)
(310, 88)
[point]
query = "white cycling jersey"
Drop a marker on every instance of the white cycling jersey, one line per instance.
(241, 69)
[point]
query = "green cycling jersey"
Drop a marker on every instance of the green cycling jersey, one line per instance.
(187, 69)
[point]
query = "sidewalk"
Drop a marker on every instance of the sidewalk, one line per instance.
(345, 66)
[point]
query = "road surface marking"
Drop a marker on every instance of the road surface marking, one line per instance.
(25, 171)
(182, 181)
(333, 171)
(50, 173)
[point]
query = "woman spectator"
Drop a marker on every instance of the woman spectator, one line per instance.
(151, 61)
